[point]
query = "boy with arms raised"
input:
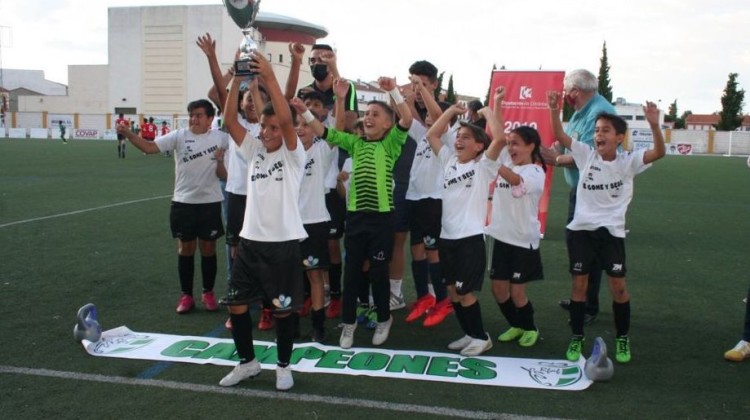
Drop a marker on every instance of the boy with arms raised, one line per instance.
(597, 231)
(268, 265)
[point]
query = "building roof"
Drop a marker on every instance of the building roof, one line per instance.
(702, 119)
(286, 23)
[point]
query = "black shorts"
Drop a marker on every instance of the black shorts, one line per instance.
(516, 264)
(270, 272)
(337, 209)
(424, 222)
(400, 214)
(120, 137)
(462, 263)
(235, 217)
(314, 249)
(189, 221)
(369, 236)
(586, 247)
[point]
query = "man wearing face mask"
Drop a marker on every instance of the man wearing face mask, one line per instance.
(580, 92)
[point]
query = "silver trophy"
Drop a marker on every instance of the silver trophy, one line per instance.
(243, 13)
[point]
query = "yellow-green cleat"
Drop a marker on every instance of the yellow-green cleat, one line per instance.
(622, 349)
(510, 335)
(528, 338)
(575, 347)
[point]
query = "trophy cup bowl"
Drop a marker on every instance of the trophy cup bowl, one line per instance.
(243, 13)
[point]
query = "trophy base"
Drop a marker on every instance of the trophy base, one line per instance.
(243, 68)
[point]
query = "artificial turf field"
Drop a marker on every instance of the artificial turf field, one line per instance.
(78, 225)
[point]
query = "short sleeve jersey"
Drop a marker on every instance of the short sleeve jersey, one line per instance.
(605, 189)
(425, 177)
(312, 201)
(148, 131)
(273, 186)
(515, 220)
(581, 127)
(236, 163)
(372, 165)
(195, 166)
(465, 191)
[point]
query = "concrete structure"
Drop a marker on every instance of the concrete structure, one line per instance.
(19, 83)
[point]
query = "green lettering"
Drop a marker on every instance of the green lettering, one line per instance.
(408, 364)
(185, 348)
(368, 361)
(310, 353)
(335, 359)
(224, 351)
(478, 369)
(443, 366)
(266, 354)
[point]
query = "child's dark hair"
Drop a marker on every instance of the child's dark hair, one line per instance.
(314, 96)
(387, 108)
(480, 136)
(268, 111)
(444, 107)
(151, 120)
(617, 122)
(202, 103)
(322, 47)
(529, 135)
(424, 68)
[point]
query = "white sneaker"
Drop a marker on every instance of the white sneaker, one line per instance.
(476, 347)
(739, 353)
(460, 343)
(284, 380)
(381, 332)
(240, 373)
(397, 302)
(347, 336)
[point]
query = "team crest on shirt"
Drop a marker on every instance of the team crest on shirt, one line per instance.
(282, 302)
(310, 262)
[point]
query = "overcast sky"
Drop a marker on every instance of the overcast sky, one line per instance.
(659, 50)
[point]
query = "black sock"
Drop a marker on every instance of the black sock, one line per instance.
(318, 319)
(186, 269)
(460, 317)
(242, 333)
(334, 280)
(284, 339)
(208, 270)
(577, 312)
(509, 311)
(526, 317)
(622, 317)
(306, 283)
(420, 272)
(436, 278)
(473, 319)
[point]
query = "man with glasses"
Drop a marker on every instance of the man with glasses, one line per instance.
(195, 214)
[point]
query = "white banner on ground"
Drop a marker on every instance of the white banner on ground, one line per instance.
(121, 342)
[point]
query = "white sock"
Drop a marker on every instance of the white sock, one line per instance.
(396, 287)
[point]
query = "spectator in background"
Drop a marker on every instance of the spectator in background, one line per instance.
(741, 351)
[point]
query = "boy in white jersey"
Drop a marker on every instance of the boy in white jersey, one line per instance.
(195, 212)
(515, 227)
(597, 231)
(315, 218)
(268, 265)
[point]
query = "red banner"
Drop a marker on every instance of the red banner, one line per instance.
(526, 104)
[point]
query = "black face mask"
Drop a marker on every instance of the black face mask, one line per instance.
(319, 71)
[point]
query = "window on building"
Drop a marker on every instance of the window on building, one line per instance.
(640, 117)
(281, 58)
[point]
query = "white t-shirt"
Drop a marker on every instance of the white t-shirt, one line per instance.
(273, 186)
(465, 191)
(312, 196)
(236, 163)
(333, 169)
(425, 176)
(515, 220)
(195, 180)
(604, 188)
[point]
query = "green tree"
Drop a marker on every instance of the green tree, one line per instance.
(450, 97)
(489, 86)
(605, 86)
(439, 87)
(730, 116)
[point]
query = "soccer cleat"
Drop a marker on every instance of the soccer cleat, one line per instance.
(575, 348)
(209, 301)
(739, 353)
(381, 332)
(185, 304)
(266, 320)
(318, 336)
(241, 372)
(565, 304)
(305, 311)
(477, 346)
(334, 307)
(438, 313)
(460, 343)
(284, 380)
(347, 336)
(528, 338)
(511, 334)
(228, 323)
(362, 314)
(421, 306)
(397, 302)
(622, 349)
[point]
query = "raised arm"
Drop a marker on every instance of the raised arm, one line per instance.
(433, 109)
(142, 145)
(553, 102)
(438, 128)
(231, 121)
(389, 85)
(340, 89)
(652, 116)
(299, 106)
(217, 93)
(297, 51)
(495, 123)
(263, 69)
